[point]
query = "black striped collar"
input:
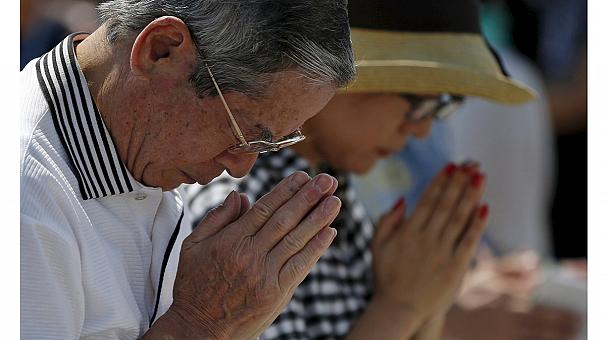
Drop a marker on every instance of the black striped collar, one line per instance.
(93, 156)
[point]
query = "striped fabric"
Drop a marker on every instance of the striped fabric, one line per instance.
(76, 118)
(338, 288)
(99, 250)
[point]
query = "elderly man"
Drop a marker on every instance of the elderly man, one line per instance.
(165, 93)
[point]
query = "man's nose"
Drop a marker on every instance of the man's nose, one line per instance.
(237, 165)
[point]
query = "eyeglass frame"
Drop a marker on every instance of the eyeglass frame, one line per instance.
(445, 101)
(257, 146)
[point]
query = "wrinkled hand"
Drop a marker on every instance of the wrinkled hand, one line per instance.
(240, 266)
(540, 323)
(419, 263)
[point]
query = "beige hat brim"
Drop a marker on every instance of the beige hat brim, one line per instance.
(430, 63)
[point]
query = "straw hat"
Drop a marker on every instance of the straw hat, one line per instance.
(429, 47)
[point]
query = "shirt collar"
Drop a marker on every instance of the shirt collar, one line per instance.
(92, 153)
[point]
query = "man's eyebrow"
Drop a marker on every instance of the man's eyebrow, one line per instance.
(265, 133)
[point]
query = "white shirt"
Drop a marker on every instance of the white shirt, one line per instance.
(99, 250)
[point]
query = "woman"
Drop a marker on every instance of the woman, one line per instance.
(397, 280)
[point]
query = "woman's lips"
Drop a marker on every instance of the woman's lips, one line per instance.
(382, 152)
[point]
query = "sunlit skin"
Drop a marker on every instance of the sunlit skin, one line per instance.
(354, 131)
(166, 134)
(351, 134)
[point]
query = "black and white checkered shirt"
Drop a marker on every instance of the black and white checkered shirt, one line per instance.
(337, 290)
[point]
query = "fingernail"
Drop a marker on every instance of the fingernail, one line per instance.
(477, 179)
(299, 178)
(450, 169)
(484, 211)
(470, 166)
(229, 199)
(327, 235)
(399, 204)
(331, 205)
(323, 183)
(335, 182)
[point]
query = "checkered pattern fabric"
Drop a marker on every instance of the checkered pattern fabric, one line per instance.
(337, 290)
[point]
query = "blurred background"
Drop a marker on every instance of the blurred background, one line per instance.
(535, 155)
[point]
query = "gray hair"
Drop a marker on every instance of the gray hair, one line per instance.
(246, 41)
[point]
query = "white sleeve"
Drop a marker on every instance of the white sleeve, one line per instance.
(52, 296)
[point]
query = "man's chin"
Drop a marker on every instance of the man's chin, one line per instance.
(168, 187)
(235, 175)
(205, 180)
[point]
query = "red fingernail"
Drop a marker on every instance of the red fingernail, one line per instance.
(399, 203)
(470, 167)
(484, 210)
(450, 169)
(477, 179)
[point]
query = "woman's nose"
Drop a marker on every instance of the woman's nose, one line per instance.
(423, 128)
(419, 129)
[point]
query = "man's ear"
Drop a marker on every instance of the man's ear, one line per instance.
(164, 47)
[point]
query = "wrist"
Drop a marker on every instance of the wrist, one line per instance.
(402, 313)
(174, 325)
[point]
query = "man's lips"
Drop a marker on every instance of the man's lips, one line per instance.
(191, 178)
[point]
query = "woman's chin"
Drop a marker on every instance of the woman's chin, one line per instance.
(362, 168)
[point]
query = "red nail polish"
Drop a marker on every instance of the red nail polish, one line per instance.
(484, 210)
(450, 169)
(477, 179)
(470, 167)
(399, 203)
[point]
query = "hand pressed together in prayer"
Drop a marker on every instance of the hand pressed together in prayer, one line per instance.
(241, 265)
(419, 262)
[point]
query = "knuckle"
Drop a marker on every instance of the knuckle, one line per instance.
(452, 273)
(461, 215)
(296, 180)
(220, 247)
(424, 205)
(383, 221)
(456, 222)
(245, 253)
(292, 243)
(211, 216)
(439, 217)
(297, 268)
(469, 241)
(310, 196)
(282, 225)
(427, 240)
(317, 216)
(450, 195)
(263, 209)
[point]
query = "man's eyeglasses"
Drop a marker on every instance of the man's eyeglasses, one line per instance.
(438, 107)
(258, 146)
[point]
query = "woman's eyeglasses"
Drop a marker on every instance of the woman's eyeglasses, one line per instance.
(438, 107)
(258, 146)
